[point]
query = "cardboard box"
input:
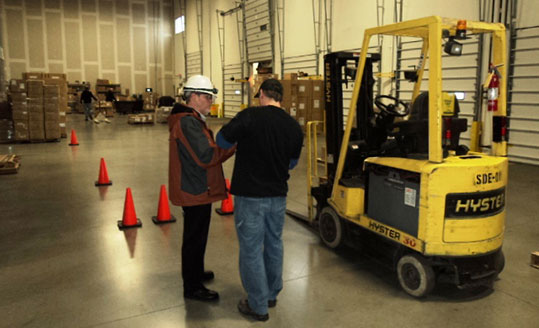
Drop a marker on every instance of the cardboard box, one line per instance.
(21, 131)
(290, 90)
(34, 101)
(19, 96)
(140, 118)
(51, 108)
(318, 89)
(305, 88)
(36, 117)
(36, 130)
(17, 85)
(162, 114)
(34, 88)
(52, 117)
(102, 81)
(50, 91)
(20, 115)
(32, 76)
(55, 76)
(63, 130)
(290, 76)
(52, 130)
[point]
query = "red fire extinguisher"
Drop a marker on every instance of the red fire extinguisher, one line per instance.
(493, 92)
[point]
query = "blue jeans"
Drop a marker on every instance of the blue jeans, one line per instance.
(88, 110)
(259, 225)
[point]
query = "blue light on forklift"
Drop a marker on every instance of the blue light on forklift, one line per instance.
(460, 95)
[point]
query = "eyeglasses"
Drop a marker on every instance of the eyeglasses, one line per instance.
(206, 95)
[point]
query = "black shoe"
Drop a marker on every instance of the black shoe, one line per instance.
(202, 294)
(272, 303)
(207, 276)
(243, 307)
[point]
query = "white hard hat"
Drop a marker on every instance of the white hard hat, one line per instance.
(199, 83)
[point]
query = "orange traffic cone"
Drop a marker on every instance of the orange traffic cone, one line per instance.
(74, 141)
(103, 179)
(130, 217)
(227, 205)
(163, 209)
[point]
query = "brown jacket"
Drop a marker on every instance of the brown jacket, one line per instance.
(195, 171)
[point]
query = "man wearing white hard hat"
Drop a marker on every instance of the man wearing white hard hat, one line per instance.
(195, 180)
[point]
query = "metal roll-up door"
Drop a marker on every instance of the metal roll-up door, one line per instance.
(459, 74)
(302, 63)
(194, 64)
(232, 98)
(258, 31)
(523, 97)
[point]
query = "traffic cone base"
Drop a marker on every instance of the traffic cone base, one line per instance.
(227, 205)
(157, 221)
(103, 179)
(163, 209)
(129, 219)
(122, 226)
(74, 141)
(220, 212)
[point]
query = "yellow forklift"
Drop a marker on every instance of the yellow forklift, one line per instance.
(397, 179)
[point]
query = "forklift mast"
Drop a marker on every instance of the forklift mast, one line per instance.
(340, 68)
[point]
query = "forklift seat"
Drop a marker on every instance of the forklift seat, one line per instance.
(413, 135)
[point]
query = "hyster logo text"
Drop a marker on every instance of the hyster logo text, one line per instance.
(477, 204)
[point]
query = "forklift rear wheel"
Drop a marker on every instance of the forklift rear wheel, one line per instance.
(499, 262)
(330, 227)
(416, 276)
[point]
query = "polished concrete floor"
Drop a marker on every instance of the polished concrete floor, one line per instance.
(64, 263)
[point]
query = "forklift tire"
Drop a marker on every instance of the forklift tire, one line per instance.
(415, 275)
(330, 228)
(499, 262)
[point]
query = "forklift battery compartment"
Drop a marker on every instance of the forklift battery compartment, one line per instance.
(393, 197)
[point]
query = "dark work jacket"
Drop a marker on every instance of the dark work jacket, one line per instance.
(86, 97)
(109, 96)
(195, 172)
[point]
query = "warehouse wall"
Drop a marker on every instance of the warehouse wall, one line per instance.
(126, 41)
(350, 18)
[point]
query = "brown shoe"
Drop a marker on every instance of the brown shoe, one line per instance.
(272, 303)
(243, 307)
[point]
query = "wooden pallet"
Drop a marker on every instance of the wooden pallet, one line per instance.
(9, 164)
(535, 260)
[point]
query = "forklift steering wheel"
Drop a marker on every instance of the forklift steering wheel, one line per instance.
(392, 109)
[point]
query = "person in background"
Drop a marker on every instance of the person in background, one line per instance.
(269, 144)
(195, 180)
(109, 96)
(86, 100)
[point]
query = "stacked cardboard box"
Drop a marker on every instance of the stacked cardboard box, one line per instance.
(6, 130)
(51, 107)
(304, 99)
(19, 107)
(106, 108)
(257, 82)
(162, 113)
(150, 101)
(59, 80)
(36, 116)
(290, 96)
(140, 119)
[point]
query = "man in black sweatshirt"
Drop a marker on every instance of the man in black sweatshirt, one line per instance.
(86, 99)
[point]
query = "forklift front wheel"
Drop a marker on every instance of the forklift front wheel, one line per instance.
(416, 276)
(330, 227)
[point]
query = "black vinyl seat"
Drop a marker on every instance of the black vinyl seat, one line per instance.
(412, 136)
